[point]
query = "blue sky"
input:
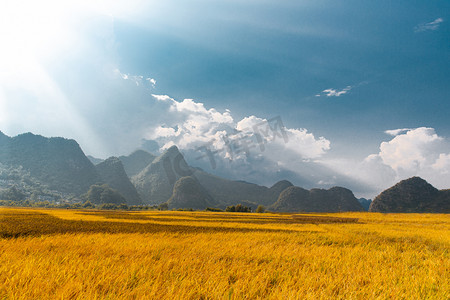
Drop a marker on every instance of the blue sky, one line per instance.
(338, 73)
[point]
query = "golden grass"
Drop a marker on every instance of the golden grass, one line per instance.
(67, 254)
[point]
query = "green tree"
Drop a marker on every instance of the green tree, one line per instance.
(88, 204)
(230, 208)
(260, 209)
(238, 208)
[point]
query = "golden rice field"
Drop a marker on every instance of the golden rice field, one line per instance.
(69, 254)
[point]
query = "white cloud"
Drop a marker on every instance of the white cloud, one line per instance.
(190, 125)
(335, 93)
(442, 164)
(163, 98)
(152, 81)
(434, 25)
(413, 152)
(395, 132)
(137, 79)
(165, 132)
(299, 140)
(410, 151)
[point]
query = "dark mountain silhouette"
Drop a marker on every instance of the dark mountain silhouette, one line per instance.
(296, 199)
(412, 195)
(112, 173)
(155, 182)
(229, 192)
(136, 162)
(365, 203)
(57, 162)
(188, 193)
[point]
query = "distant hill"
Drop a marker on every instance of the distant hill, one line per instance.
(276, 189)
(56, 162)
(104, 194)
(188, 193)
(365, 203)
(229, 192)
(292, 199)
(155, 182)
(136, 162)
(112, 173)
(413, 195)
(296, 199)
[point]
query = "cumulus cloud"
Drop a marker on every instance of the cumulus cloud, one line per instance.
(189, 124)
(442, 164)
(335, 93)
(193, 127)
(410, 151)
(414, 152)
(295, 139)
(431, 26)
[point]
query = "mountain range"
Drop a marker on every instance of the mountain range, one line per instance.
(58, 163)
(144, 178)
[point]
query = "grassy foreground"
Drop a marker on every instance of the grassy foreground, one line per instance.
(67, 254)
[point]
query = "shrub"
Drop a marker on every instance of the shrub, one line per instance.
(238, 208)
(213, 209)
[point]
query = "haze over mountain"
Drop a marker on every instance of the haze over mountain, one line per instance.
(136, 162)
(94, 160)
